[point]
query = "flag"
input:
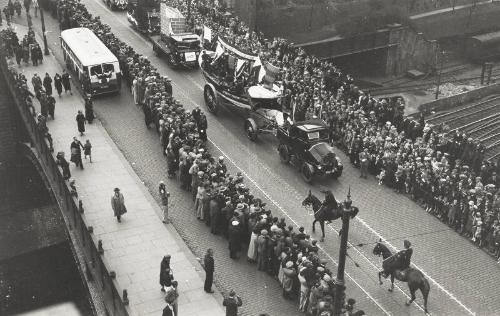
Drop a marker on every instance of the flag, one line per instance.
(207, 33)
(240, 63)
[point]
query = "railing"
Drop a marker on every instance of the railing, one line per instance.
(71, 208)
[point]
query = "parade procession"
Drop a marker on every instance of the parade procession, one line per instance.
(209, 138)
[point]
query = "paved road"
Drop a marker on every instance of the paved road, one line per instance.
(464, 279)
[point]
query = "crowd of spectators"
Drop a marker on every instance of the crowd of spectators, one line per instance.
(221, 200)
(445, 172)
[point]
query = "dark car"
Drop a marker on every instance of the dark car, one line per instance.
(305, 145)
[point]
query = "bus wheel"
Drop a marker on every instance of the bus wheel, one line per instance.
(210, 99)
(251, 129)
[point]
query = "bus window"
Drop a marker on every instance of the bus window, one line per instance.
(108, 68)
(96, 70)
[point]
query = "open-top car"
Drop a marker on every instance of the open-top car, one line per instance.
(305, 145)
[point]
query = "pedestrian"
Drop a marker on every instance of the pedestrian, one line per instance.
(364, 163)
(36, 81)
(262, 242)
(66, 83)
(209, 264)
(19, 53)
(166, 275)
(234, 239)
(87, 150)
(76, 152)
(58, 83)
(164, 195)
(171, 296)
(80, 122)
(89, 109)
(118, 204)
(35, 5)
(232, 302)
(33, 53)
(47, 84)
(27, 4)
(51, 102)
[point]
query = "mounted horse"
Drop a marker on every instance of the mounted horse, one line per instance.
(328, 210)
(390, 266)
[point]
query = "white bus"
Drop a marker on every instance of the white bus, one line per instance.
(95, 65)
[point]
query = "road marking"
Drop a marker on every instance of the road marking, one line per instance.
(420, 269)
(275, 203)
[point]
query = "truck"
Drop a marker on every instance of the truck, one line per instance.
(174, 41)
(117, 4)
(144, 15)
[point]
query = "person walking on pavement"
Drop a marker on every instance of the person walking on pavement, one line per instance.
(33, 53)
(36, 81)
(80, 121)
(232, 302)
(209, 266)
(118, 204)
(166, 275)
(202, 127)
(89, 109)
(51, 102)
(171, 295)
(58, 83)
(76, 152)
(164, 194)
(47, 84)
(87, 150)
(66, 83)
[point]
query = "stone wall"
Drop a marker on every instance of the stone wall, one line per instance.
(460, 99)
(410, 50)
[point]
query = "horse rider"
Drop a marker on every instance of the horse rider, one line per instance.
(404, 257)
(330, 203)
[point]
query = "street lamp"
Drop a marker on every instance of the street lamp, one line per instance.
(45, 47)
(348, 212)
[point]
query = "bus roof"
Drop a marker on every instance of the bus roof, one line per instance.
(87, 47)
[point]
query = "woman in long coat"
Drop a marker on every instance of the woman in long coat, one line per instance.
(80, 121)
(58, 84)
(118, 204)
(166, 275)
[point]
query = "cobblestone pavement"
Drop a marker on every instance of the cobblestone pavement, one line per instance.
(464, 279)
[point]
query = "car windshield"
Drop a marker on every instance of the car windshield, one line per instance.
(320, 150)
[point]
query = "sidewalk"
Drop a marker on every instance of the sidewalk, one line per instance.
(135, 247)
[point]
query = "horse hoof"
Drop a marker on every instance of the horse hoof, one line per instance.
(408, 303)
(380, 282)
(390, 290)
(322, 239)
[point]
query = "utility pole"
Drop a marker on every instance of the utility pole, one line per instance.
(439, 75)
(45, 47)
(339, 281)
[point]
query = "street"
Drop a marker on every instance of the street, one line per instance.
(463, 278)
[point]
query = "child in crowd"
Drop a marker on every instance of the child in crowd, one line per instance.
(87, 150)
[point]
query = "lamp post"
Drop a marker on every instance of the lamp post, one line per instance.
(347, 213)
(45, 47)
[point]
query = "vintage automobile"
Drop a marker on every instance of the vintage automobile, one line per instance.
(117, 4)
(241, 87)
(305, 145)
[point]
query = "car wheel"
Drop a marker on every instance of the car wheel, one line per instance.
(307, 172)
(284, 153)
(251, 129)
(210, 99)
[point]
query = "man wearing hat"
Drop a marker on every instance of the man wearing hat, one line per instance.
(234, 239)
(405, 256)
(262, 244)
(232, 302)
(166, 275)
(118, 204)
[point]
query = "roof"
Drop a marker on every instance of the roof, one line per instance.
(87, 47)
(310, 125)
